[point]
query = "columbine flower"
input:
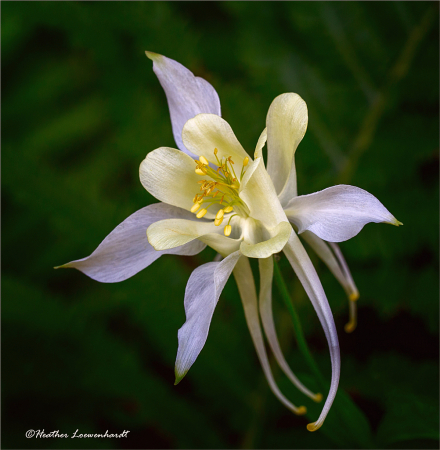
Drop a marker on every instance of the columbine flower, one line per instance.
(213, 193)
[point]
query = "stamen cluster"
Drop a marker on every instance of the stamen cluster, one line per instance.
(222, 189)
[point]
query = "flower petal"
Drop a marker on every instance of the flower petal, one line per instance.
(187, 95)
(334, 261)
(353, 294)
(286, 125)
(260, 144)
(205, 132)
(275, 241)
(169, 175)
(258, 192)
(337, 213)
(308, 277)
(171, 233)
(221, 244)
(201, 296)
(126, 251)
(266, 276)
(246, 287)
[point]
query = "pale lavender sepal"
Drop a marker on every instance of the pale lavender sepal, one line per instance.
(201, 296)
(337, 213)
(187, 95)
(126, 250)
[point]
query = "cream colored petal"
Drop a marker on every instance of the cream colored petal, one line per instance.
(169, 175)
(205, 132)
(220, 243)
(260, 144)
(308, 277)
(249, 172)
(167, 234)
(187, 95)
(286, 125)
(290, 189)
(274, 242)
(246, 287)
(260, 197)
(266, 276)
(172, 233)
(337, 213)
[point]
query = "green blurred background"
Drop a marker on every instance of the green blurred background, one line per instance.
(81, 107)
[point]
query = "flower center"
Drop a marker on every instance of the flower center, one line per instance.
(221, 187)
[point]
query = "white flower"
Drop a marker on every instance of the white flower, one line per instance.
(229, 201)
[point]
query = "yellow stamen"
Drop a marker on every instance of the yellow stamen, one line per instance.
(221, 180)
(220, 213)
(353, 296)
(227, 230)
(201, 213)
(203, 160)
(301, 411)
(218, 222)
(317, 398)
(245, 161)
(195, 207)
(313, 427)
(351, 325)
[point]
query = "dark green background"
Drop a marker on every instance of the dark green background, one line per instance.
(81, 107)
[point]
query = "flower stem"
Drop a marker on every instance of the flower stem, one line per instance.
(299, 335)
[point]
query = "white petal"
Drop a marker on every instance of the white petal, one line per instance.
(308, 277)
(220, 243)
(337, 213)
(260, 144)
(335, 261)
(286, 125)
(126, 251)
(258, 193)
(187, 95)
(246, 287)
(201, 296)
(206, 132)
(170, 233)
(274, 241)
(266, 276)
(169, 175)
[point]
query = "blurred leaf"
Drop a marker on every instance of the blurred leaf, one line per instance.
(410, 417)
